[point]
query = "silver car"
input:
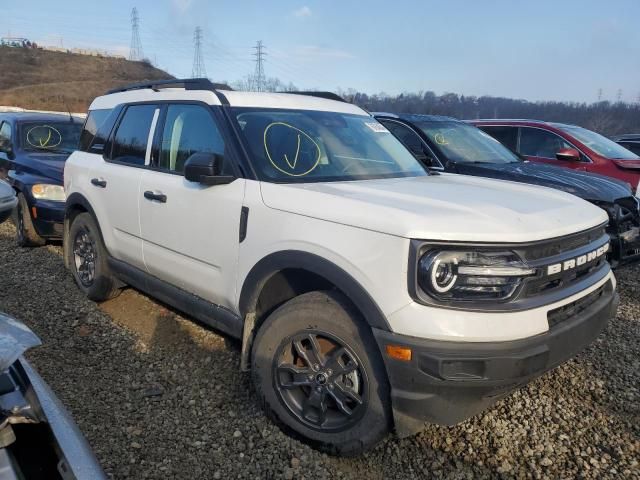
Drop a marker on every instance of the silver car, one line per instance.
(38, 438)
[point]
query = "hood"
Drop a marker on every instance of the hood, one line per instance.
(50, 165)
(440, 207)
(15, 339)
(589, 186)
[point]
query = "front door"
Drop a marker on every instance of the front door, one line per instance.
(190, 231)
(541, 146)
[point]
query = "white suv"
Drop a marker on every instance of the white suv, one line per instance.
(369, 295)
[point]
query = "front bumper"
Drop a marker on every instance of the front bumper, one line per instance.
(49, 218)
(625, 248)
(447, 382)
(6, 207)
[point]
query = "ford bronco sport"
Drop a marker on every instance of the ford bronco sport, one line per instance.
(369, 294)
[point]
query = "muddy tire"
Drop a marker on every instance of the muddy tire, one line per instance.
(26, 234)
(319, 375)
(88, 259)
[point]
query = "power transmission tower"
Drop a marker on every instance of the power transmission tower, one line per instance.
(599, 94)
(198, 70)
(135, 51)
(259, 78)
(619, 95)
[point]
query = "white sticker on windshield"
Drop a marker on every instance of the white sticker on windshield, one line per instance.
(377, 127)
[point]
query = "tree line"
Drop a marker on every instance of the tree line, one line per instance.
(604, 117)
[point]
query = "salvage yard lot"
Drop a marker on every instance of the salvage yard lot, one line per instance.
(160, 396)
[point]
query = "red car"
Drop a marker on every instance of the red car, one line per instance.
(566, 146)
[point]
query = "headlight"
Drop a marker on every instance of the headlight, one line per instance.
(42, 191)
(448, 275)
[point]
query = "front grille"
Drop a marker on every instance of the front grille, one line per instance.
(559, 251)
(557, 316)
(558, 246)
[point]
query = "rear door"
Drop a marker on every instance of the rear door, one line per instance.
(540, 145)
(190, 231)
(115, 182)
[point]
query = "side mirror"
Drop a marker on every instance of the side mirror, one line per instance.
(568, 155)
(206, 168)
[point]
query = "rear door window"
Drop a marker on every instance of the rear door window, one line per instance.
(132, 135)
(508, 136)
(535, 142)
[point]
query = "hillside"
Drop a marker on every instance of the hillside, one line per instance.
(39, 79)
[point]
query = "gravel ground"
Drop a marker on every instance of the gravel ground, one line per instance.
(159, 396)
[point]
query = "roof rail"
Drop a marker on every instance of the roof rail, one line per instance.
(186, 83)
(326, 95)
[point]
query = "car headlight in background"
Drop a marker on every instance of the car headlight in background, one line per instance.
(448, 275)
(43, 191)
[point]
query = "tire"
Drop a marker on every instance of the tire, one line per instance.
(88, 259)
(26, 235)
(285, 382)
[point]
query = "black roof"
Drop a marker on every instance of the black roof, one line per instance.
(416, 117)
(38, 117)
(186, 83)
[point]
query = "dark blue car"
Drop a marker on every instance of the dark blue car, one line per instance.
(33, 149)
(449, 145)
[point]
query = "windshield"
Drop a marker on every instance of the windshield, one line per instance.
(599, 144)
(311, 146)
(459, 142)
(58, 137)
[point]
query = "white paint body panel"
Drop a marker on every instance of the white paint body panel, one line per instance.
(191, 241)
(116, 206)
(441, 207)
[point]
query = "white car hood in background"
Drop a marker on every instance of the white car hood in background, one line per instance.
(440, 207)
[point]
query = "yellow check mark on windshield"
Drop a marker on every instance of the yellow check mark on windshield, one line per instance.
(295, 160)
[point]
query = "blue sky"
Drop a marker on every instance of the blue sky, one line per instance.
(537, 50)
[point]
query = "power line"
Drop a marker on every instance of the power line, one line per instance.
(198, 70)
(259, 77)
(135, 51)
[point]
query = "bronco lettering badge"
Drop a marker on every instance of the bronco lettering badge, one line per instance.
(578, 261)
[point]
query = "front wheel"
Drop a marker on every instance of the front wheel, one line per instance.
(318, 373)
(26, 234)
(88, 259)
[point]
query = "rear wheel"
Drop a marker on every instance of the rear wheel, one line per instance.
(88, 259)
(318, 373)
(26, 234)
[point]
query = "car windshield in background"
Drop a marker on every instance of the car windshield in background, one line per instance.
(58, 137)
(599, 144)
(311, 146)
(459, 142)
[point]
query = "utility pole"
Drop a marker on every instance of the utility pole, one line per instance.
(259, 78)
(135, 51)
(198, 70)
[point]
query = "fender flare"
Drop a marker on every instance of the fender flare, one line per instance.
(74, 200)
(275, 262)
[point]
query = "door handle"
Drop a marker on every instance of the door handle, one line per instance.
(99, 182)
(159, 197)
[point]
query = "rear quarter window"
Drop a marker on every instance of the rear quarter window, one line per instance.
(93, 132)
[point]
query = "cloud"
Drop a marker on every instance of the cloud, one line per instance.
(182, 5)
(302, 12)
(315, 51)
